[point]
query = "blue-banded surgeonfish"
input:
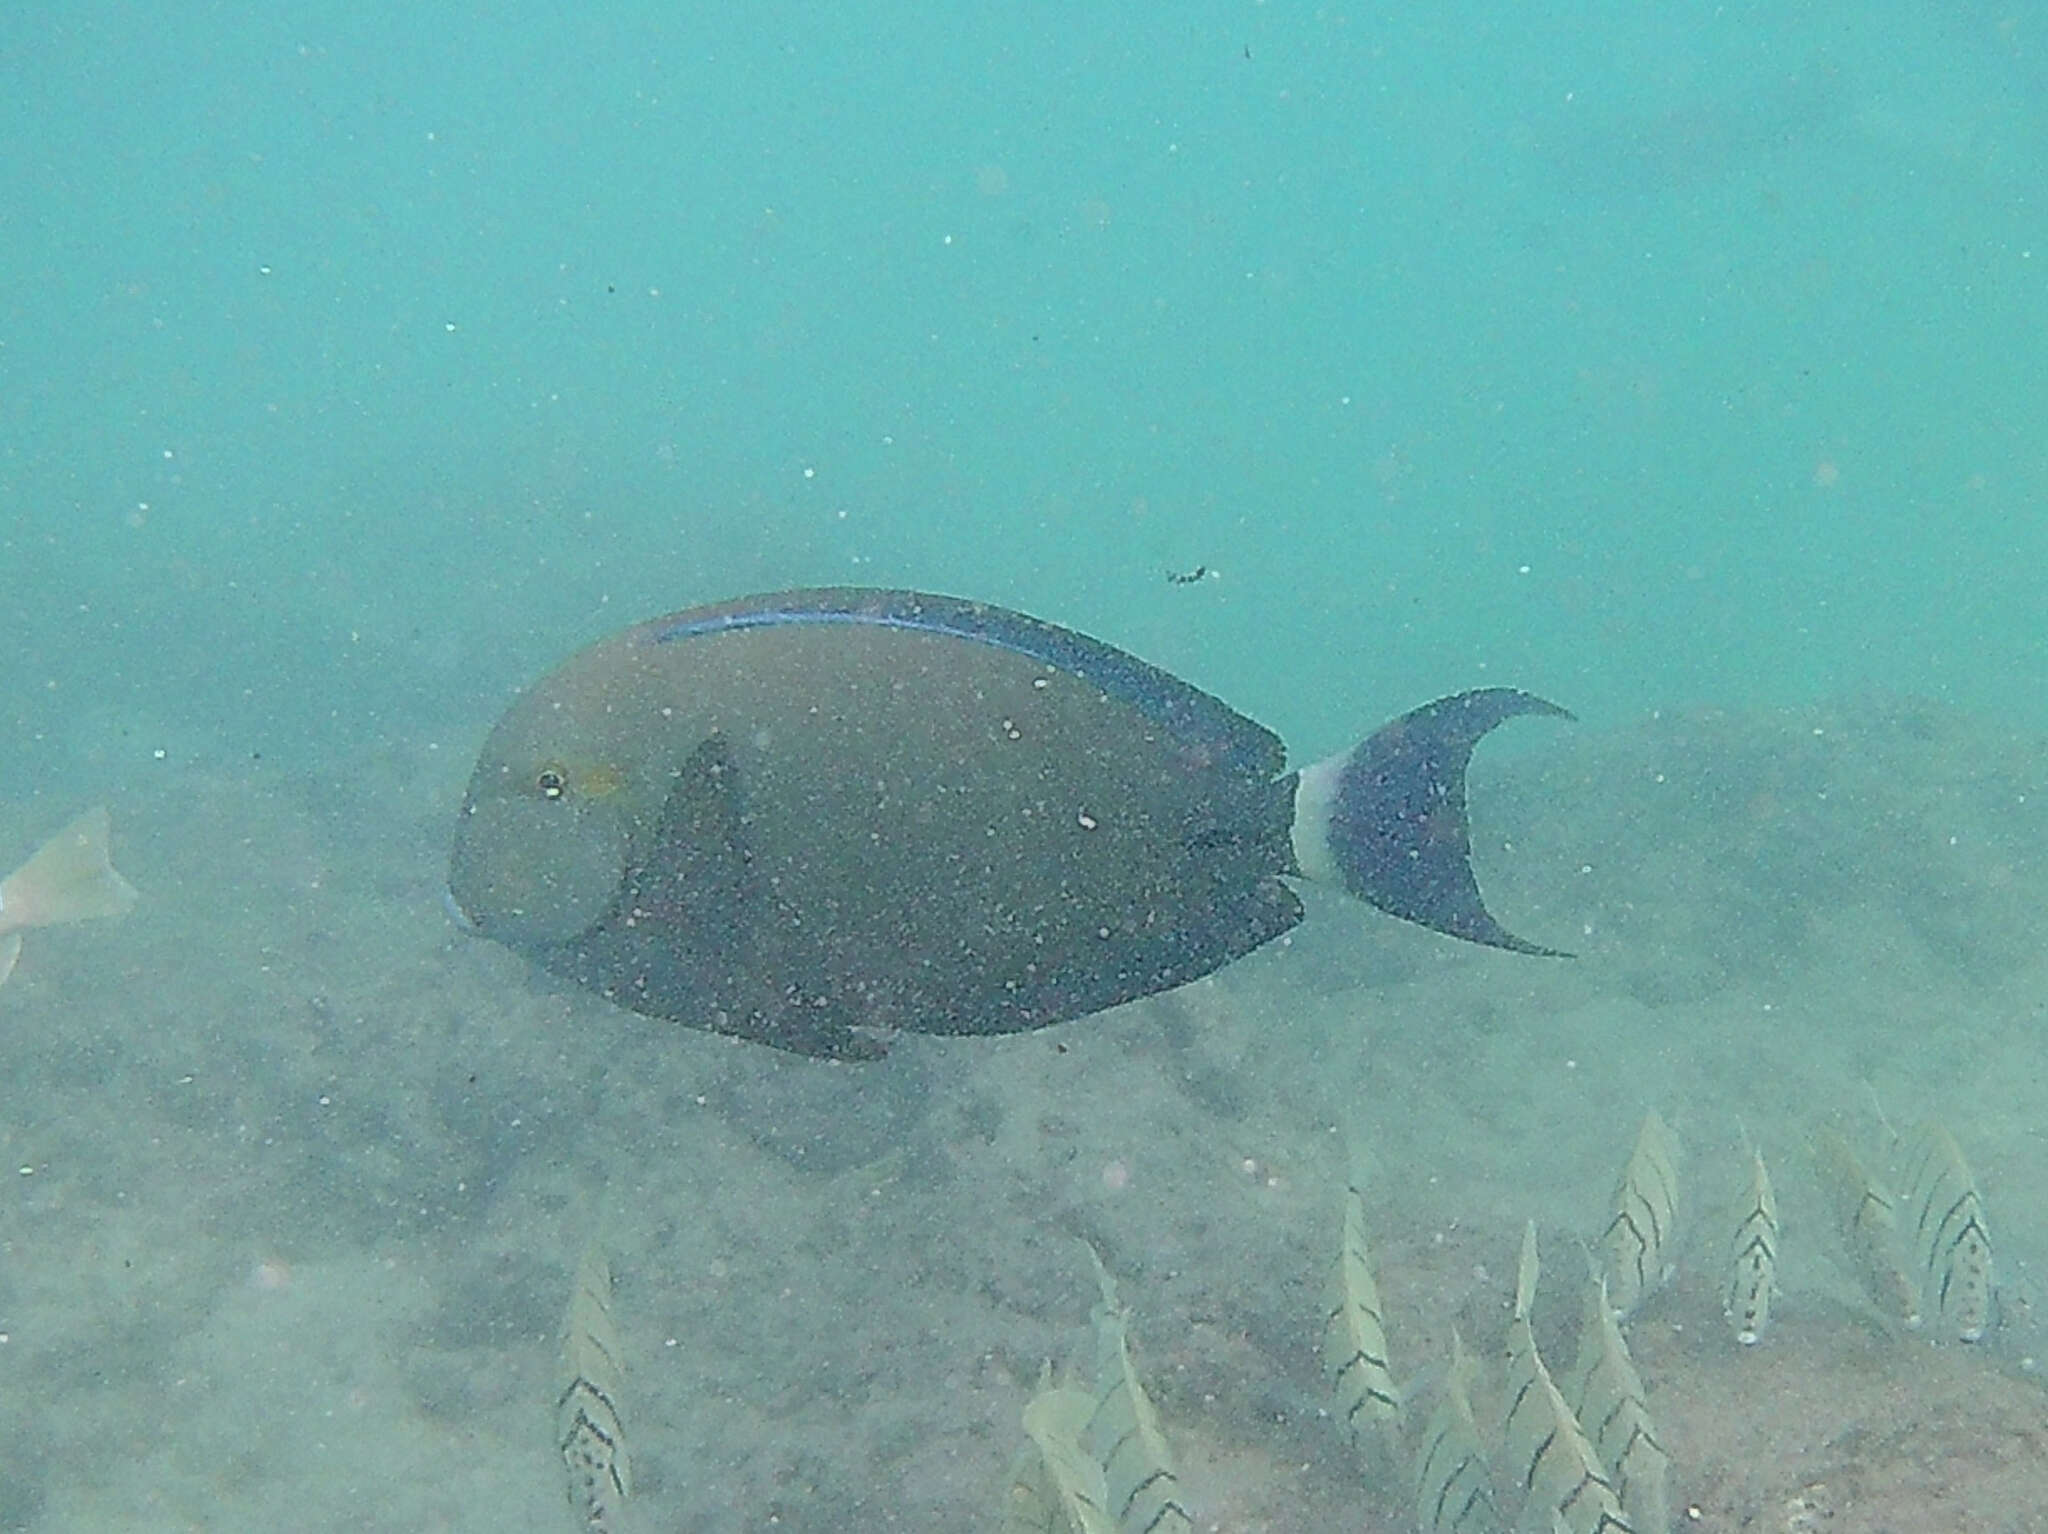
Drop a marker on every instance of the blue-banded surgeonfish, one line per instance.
(819, 817)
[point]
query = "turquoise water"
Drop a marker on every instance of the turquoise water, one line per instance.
(357, 361)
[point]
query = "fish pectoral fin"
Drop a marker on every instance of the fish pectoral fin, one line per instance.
(703, 806)
(696, 874)
(10, 950)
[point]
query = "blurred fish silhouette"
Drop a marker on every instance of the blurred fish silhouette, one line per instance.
(69, 878)
(818, 817)
(1866, 1218)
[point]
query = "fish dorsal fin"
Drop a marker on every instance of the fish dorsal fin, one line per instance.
(1357, 1161)
(1527, 1270)
(1104, 1282)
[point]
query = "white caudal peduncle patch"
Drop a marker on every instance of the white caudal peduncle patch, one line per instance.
(1315, 795)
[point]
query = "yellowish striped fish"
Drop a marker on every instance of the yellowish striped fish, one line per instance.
(1362, 1388)
(1753, 1257)
(1030, 1504)
(1563, 1483)
(1867, 1221)
(1631, 1248)
(1606, 1394)
(1453, 1483)
(1950, 1236)
(1054, 1419)
(1123, 1432)
(587, 1422)
(66, 879)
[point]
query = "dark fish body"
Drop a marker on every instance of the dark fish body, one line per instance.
(816, 817)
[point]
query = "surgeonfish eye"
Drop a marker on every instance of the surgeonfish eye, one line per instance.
(552, 782)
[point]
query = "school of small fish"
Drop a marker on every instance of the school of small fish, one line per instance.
(1099, 1461)
(1519, 1448)
(1577, 1453)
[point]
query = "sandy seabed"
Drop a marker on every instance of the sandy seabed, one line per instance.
(298, 1173)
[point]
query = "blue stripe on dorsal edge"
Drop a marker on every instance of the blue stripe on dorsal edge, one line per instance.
(1185, 711)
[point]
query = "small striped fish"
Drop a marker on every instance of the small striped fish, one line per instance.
(1753, 1257)
(1645, 1204)
(1054, 1419)
(1563, 1482)
(1949, 1233)
(1606, 1393)
(1362, 1387)
(587, 1410)
(1868, 1224)
(1123, 1433)
(1453, 1484)
(1030, 1504)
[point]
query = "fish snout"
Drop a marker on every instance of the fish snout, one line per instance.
(532, 874)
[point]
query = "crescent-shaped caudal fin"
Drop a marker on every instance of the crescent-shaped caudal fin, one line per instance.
(1386, 819)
